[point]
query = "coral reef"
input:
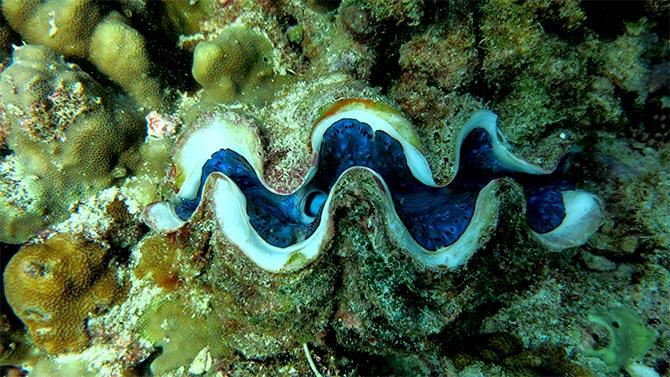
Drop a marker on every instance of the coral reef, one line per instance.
(54, 286)
(69, 138)
(80, 28)
(171, 200)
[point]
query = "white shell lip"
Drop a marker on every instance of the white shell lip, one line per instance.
(161, 217)
(583, 217)
(583, 210)
(223, 131)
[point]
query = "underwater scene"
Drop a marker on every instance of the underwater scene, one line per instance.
(459, 188)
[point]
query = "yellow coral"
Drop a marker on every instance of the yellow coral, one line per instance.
(64, 25)
(68, 134)
(235, 65)
(80, 28)
(159, 261)
(118, 51)
(54, 286)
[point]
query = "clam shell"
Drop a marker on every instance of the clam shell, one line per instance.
(228, 203)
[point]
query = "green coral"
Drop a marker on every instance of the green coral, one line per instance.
(629, 337)
(69, 138)
(180, 333)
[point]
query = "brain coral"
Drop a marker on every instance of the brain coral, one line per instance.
(54, 286)
(68, 136)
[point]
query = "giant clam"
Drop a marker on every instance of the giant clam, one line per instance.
(220, 163)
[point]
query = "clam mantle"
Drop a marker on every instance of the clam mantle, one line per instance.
(220, 164)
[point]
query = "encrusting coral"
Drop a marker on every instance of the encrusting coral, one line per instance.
(68, 134)
(80, 28)
(54, 286)
(181, 333)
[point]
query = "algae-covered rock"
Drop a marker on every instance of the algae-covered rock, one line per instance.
(624, 60)
(446, 56)
(396, 11)
(546, 77)
(69, 137)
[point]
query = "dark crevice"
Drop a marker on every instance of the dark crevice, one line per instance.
(7, 251)
(478, 87)
(170, 64)
(387, 66)
(607, 18)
